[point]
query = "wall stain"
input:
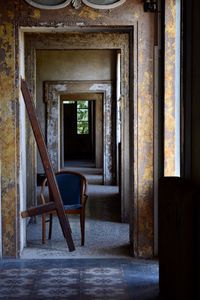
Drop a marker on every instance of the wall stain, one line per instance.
(88, 13)
(36, 14)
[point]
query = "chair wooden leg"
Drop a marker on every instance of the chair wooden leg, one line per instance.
(82, 223)
(43, 228)
(50, 225)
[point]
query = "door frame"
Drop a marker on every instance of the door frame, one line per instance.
(53, 91)
(116, 39)
(137, 165)
(98, 128)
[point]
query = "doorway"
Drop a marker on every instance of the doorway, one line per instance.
(78, 129)
(56, 88)
(81, 124)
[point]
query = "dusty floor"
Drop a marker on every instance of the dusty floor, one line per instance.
(105, 235)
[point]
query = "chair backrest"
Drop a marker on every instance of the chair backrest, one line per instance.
(71, 186)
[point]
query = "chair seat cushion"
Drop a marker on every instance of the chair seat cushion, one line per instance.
(75, 206)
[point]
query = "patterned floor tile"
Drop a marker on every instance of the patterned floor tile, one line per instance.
(93, 279)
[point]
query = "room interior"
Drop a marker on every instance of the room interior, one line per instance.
(132, 67)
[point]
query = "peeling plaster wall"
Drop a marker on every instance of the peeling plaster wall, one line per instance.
(16, 14)
(70, 65)
(22, 169)
(170, 89)
(52, 92)
(9, 125)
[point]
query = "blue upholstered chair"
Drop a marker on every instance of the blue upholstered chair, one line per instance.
(73, 191)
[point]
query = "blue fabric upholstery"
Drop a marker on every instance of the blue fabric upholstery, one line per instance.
(76, 206)
(70, 188)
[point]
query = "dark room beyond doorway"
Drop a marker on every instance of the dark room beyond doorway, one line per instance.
(78, 131)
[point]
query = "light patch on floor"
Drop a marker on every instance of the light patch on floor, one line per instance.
(103, 239)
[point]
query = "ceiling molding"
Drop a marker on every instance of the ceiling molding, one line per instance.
(45, 4)
(93, 4)
(56, 4)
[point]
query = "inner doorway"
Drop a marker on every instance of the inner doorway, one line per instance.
(60, 81)
(81, 130)
(78, 132)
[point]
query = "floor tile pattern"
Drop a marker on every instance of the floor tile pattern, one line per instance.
(83, 279)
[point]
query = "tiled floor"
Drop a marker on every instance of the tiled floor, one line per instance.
(82, 279)
(103, 269)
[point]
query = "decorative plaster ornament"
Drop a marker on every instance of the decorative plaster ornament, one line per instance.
(57, 4)
(76, 4)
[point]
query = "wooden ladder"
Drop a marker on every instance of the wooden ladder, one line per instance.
(56, 204)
